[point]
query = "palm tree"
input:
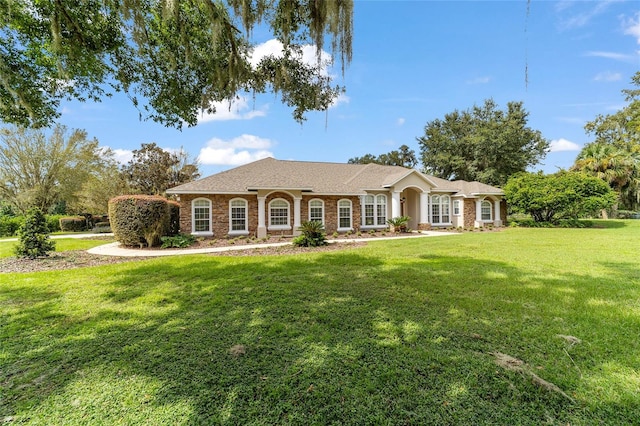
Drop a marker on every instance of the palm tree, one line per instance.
(619, 168)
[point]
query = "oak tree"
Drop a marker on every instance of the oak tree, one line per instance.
(482, 144)
(174, 58)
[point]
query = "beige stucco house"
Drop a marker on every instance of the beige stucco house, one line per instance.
(272, 196)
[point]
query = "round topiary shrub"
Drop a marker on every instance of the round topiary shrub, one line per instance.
(139, 220)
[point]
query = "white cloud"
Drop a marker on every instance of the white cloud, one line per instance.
(122, 156)
(400, 121)
(274, 47)
(479, 80)
(237, 109)
(583, 18)
(237, 151)
(608, 76)
(611, 55)
(559, 145)
(341, 99)
(632, 27)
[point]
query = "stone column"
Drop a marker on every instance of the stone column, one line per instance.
(296, 215)
(497, 221)
(478, 221)
(424, 211)
(262, 228)
(395, 204)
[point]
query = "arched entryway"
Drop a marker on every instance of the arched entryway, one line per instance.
(410, 206)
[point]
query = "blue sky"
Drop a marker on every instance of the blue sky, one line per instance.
(413, 62)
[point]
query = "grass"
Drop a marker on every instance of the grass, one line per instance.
(62, 244)
(398, 332)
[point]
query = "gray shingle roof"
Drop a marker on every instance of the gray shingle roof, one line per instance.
(317, 177)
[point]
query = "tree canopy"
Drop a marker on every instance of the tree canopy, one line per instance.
(40, 170)
(152, 170)
(614, 154)
(560, 195)
(482, 144)
(403, 156)
(174, 58)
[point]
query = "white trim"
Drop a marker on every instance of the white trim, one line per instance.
(209, 232)
(244, 231)
(454, 204)
(321, 206)
(350, 228)
(280, 227)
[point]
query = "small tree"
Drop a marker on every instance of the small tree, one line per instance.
(560, 195)
(33, 236)
(313, 235)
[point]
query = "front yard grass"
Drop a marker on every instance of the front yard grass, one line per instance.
(397, 332)
(62, 244)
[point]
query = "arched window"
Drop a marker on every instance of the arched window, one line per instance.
(316, 210)
(381, 210)
(440, 209)
(435, 209)
(201, 216)
(374, 210)
(238, 216)
(279, 214)
(344, 215)
(485, 210)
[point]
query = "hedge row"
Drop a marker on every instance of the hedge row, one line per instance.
(9, 225)
(141, 220)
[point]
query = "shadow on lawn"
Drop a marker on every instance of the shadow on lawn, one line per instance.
(337, 337)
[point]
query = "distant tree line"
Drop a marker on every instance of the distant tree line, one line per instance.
(67, 173)
(494, 146)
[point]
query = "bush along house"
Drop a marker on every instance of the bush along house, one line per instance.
(273, 197)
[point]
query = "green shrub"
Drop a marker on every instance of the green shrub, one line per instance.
(53, 222)
(9, 225)
(174, 218)
(101, 228)
(313, 235)
(399, 224)
(139, 220)
(33, 236)
(73, 224)
(178, 241)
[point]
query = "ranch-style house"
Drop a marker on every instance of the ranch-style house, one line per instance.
(273, 197)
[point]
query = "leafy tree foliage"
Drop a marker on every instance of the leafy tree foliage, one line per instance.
(482, 144)
(40, 171)
(174, 58)
(557, 196)
(33, 236)
(403, 156)
(614, 155)
(153, 170)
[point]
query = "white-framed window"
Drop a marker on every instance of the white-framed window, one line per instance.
(344, 214)
(485, 210)
(374, 210)
(238, 211)
(456, 207)
(279, 214)
(201, 222)
(316, 210)
(440, 209)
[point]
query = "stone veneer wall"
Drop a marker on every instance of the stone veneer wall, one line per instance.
(220, 212)
(470, 212)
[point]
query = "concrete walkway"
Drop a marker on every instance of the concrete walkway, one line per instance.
(114, 249)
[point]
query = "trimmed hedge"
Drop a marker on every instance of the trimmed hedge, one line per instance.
(9, 225)
(174, 217)
(73, 224)
(140, 220)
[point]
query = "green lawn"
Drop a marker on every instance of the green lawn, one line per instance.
(62, 244)
(398, 332)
